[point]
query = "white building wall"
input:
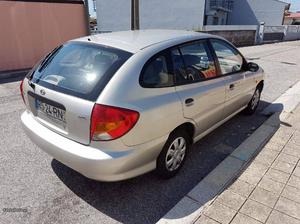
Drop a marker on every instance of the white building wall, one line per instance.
(114, 15)
(253, 12)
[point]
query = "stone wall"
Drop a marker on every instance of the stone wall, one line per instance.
(238, 35)
(238, 38)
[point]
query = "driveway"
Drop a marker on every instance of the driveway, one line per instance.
(43, 190)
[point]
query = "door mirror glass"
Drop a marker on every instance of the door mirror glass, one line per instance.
(252, 67)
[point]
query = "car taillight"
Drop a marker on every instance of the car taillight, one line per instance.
(21, 90)
(109, 123)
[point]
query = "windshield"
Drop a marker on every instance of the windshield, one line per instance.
(80, 69)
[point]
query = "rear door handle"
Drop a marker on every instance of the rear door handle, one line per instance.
(231, 86)
(189, 101)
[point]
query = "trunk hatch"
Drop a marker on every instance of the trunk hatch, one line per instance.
(62, 89)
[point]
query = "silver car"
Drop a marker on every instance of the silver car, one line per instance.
(117, 105)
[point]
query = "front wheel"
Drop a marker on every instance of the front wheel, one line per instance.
(173, 154)
(254, 102)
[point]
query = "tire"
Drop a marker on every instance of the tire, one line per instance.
(254, 102)
(165, 166)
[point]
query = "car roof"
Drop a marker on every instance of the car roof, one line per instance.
(133, 41)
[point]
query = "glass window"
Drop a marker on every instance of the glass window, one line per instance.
(156, 73)
(80, 69)
(193, 64)
(229, 58)
(179, 68)
(215, 20)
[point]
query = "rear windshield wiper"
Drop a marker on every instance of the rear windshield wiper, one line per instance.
(49, 58)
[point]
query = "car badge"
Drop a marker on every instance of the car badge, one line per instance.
(42, 92)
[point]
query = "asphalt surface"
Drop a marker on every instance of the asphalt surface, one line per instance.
(35, 188)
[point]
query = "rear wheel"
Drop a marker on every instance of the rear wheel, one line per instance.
(173, 154)
(254, 102)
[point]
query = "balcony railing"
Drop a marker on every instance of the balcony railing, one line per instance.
(226, 5)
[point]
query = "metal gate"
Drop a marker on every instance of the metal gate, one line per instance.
(273, 33)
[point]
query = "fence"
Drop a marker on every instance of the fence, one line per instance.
(273, 33)
(250, 34)
(281, 33)
(239, 35)
(292, 33)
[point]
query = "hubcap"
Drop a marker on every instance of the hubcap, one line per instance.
(255, 99)
(176, 154)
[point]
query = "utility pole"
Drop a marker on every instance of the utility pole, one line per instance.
(135, 15)
(87, 16)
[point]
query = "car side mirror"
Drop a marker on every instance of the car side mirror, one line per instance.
(252, 67)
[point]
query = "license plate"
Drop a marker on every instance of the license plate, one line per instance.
(53, 113)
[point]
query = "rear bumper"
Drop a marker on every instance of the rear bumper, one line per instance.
(104, 164)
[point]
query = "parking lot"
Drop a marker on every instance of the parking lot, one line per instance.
(49, 192)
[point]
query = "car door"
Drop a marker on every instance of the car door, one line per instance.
(200, 90)
(231, 62)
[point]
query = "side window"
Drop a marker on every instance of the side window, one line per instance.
(229, 58)
(193, 63)
(156, 73)
(178, 67)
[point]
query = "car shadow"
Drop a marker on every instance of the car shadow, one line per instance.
(13, 76)
(145, 199)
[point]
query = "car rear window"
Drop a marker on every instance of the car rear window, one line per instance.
(80, 69)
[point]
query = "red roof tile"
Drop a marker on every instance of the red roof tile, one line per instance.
(294, 15)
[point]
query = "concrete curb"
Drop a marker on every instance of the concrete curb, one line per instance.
(13, 74)
(189, 208)
(286, 103)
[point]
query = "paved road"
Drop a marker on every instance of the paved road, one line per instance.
(52, 193)
(281, 61)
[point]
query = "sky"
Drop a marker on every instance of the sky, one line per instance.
(295, 5)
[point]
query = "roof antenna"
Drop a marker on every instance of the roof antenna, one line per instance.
(89, 39)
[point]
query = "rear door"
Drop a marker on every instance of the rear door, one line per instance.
(231, 67)
(62, 91)
(201, 91)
